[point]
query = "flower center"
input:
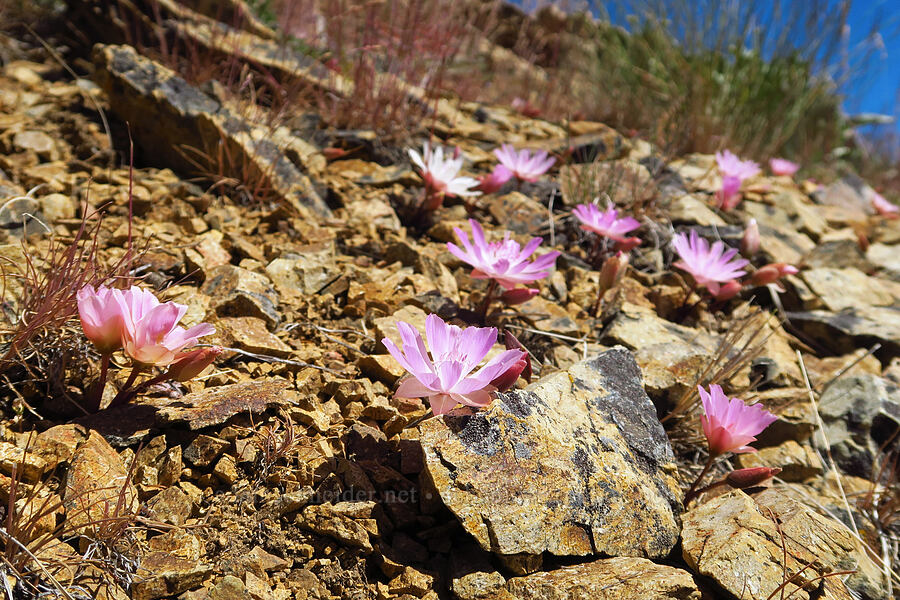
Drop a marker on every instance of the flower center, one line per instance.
(507, 250)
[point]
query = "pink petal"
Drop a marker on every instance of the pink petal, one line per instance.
(413, 388)
(477, 398)
(441, 403)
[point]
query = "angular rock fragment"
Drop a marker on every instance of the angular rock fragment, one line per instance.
(215, 405)
(638, 326)
(162, 574)
(237, 292)
(97, 486)
(575, 464)
(846, 288)
(861, 414)
(622, 578)
(344, 521)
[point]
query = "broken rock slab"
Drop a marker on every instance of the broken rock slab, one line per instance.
(734, 540)
(169, 116)
(575, 464)
(851, 328)
(132, 423)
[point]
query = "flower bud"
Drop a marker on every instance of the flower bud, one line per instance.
(512, 343)
(188, 365)
(628, 244)
(508, 378)
(750, 242)
(781, 166)
(771, 273)
(612, 271)
(729, 290)
(753, 476)
(518, 295)
(332, 153)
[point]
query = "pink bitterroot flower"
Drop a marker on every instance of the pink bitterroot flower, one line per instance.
(781, 166)
(101, 317)
(505, 261)
(729, 424)
(441, 174)
(151, 335)
(710, 266)
(605, 223)
(523, 164)
(492, 183)
(729, 196)
(884, 208)
(446, 378)
(732, 166)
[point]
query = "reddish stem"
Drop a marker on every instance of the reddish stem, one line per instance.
(123, 396)
(488, 298)
(693, 492)
(96, 396)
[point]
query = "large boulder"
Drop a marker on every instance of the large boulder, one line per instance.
(575, 464)
(757, 547)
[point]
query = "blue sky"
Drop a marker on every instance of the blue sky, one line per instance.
(881, 93)
(876, 62)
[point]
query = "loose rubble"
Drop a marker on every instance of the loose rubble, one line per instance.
(289, 468)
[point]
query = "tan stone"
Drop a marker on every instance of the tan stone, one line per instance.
(411, 581)
(162, 574)
(27, 465)
(334, 520)
(251, 334)
(607, 579)
(850, 288)
(170, 506)
(797, 462)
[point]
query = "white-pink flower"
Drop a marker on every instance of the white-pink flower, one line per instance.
(731, 165)
(710, 266)
(730, 195)
(605, 223)
(505, 261)
(884, 208)
(445, 377)
(523, 164)
(151, 334)
(441, 174)
(781, 166)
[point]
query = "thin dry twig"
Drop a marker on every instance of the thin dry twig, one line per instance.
(821, 425)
